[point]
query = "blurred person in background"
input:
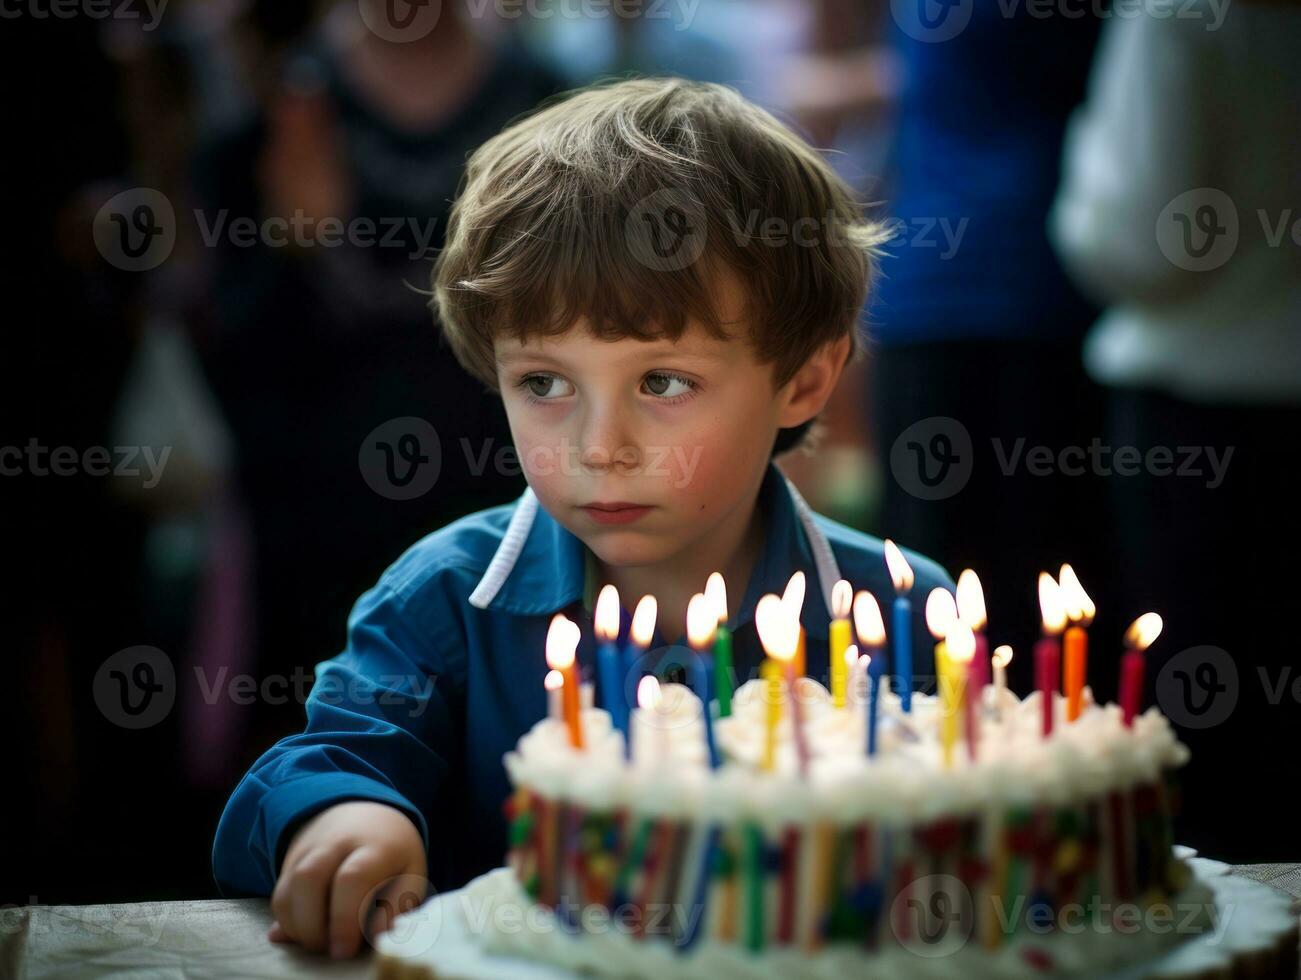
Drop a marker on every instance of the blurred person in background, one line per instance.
(973, 319)
(319, 349)
(1178, 211)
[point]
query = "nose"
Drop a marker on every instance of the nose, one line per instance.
(607, 441)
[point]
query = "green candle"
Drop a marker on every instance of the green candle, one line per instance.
(723, 669)
(716, 593)
(754, 878)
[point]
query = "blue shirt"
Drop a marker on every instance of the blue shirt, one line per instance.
(444, 666)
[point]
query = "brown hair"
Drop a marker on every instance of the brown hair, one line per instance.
(564, 214)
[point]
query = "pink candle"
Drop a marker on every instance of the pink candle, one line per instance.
(971, 610)
(1140, 635)
(1048, 651)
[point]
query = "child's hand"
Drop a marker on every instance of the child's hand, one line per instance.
(333, 864)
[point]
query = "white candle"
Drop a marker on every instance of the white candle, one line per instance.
(553, 683)
(1002, 657)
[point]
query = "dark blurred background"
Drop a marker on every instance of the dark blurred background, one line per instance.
(1083, 348)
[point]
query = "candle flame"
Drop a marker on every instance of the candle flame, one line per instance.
(842, 598)
(716, 590)
(702, 621)
(607, 614)
(851, 655)
(971, 599)
(901, 573)
(643, 621)
(941, 611)
(1051, 604)
(778, 631)
(562, 642)
(648, 693)
(1002, 656)
(867, 620)
(793, 597)
(554, 680)
(1142, 633)
(1079, 607)
(960, 642)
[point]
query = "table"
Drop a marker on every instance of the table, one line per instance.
(226, 939)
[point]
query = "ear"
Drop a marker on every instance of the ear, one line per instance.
(807, 393)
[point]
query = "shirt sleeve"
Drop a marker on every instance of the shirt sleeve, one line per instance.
(384, 722)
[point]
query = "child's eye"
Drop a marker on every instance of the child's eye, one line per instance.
(545, 387)
(668, 386)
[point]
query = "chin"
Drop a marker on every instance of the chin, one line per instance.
(628, 549)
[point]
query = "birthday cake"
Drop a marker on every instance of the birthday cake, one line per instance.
(768, 842)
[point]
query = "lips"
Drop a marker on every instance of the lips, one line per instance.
(615, 512)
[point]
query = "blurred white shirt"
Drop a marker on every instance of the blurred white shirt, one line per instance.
(1180, 203)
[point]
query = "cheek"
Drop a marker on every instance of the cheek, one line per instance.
(705, 463)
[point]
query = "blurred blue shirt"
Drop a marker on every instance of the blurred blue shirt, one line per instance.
(431, 690)
(976, 162)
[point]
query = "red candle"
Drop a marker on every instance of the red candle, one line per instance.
(1047, 652)
(1140, 635)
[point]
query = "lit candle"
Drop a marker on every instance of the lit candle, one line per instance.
(960, 645)
(971, 610)
(716, 590)
(779, 635)
(793, 601)
(609, 664)
(702, 621)
(1002, 657)
(1140, 635)
(1047, 652)
(842, 597)
(871, 638)
(901, 574)
(649, 698)
(562, 646)
(941, 613)
(1080, 610)
(640, 634)
(553, 682)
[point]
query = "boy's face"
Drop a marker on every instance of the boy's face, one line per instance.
(683, 430)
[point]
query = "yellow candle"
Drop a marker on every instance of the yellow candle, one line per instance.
(841, 600)
(777, 632)
(562, 645)
(1001, 658)
(959, 646)
(793, 602)
(771, 672)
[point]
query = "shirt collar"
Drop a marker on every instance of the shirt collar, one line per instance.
(555, 569)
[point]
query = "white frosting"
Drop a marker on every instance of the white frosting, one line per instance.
(905, 782)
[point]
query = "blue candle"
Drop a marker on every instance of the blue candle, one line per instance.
(702, 621)
(901, 574)
(875, 668)
(609, 659)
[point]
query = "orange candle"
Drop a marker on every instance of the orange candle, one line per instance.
(562, 647)
(1080, 611)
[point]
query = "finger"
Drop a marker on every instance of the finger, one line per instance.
(309, 896)
(277, 934)
(357, 875)
(402, 894)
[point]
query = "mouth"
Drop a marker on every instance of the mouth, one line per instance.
(615, 512)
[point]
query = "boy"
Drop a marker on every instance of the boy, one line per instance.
(663, 283)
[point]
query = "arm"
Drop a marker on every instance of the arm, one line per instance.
(384, 725)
